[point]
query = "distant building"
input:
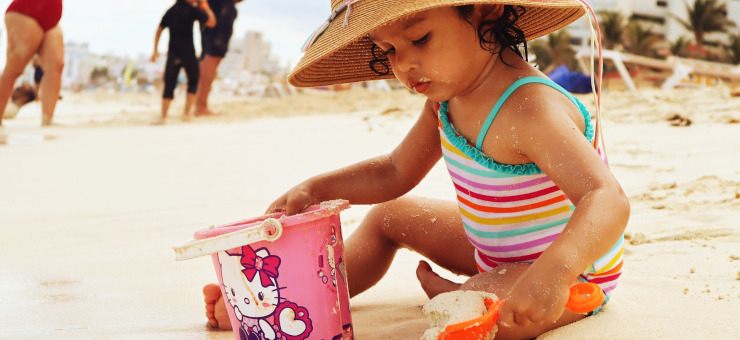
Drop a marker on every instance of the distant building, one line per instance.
(79, 63)
(251, 54)
(657, 13)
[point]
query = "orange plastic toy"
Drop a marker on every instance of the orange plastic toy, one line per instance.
(476, 328)
(584, 297)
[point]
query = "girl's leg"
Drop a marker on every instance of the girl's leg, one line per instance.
(427, 226)
(51, 55)
(24, 37)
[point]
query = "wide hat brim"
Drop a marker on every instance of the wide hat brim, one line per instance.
(342, 54)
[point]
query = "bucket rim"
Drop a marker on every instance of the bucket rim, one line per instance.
(312, 213)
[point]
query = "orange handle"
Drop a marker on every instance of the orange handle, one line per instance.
(585, 297)
(476, 328)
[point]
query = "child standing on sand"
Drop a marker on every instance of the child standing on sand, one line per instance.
(537, 210)
(181, 52)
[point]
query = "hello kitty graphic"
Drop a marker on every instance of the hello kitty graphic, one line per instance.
(250, 283)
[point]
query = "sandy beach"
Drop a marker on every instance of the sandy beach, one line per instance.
(90, 208)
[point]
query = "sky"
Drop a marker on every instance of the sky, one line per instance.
(127, 28)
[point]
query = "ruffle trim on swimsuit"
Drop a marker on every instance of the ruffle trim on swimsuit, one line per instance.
(479, 157)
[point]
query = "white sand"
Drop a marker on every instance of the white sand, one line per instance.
(455, 307)
(90, 209)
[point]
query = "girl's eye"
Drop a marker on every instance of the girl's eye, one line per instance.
(421, 41)
(390, 51)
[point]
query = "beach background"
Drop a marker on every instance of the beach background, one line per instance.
(90, 208)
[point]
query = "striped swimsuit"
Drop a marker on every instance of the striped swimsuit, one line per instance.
(512, 213)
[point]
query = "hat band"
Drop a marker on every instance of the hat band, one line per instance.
(319, 31)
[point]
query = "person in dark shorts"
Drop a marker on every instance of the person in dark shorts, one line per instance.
(180, 19)
(215, 43)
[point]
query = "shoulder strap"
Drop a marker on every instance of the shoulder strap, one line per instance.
(515, 85)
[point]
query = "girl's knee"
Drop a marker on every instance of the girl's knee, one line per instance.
(379, 216)
(383, 219)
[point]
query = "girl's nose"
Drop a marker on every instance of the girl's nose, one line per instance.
(405, 61)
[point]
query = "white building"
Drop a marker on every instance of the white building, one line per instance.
(78, 65)
(251, 54)
(655, 11)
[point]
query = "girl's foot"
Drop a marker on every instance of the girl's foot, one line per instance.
(216, 312)
(431, 282)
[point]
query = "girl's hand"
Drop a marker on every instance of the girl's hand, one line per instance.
(535, 298)
(295, 200)
(154, 57)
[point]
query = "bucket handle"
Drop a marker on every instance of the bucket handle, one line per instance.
(269, 230)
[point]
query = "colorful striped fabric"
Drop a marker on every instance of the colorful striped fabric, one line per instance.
(512, 213)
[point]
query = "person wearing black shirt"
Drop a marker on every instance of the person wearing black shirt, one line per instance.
(179, 19)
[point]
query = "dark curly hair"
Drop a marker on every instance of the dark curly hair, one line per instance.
(503, 30)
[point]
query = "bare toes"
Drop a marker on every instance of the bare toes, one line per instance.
(211, 293)
(216, 312)
(431, 282)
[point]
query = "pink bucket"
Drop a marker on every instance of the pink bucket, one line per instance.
(282, 277)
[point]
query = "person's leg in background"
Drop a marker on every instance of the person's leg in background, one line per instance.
(51, 57)
(24, 37)
(215, 44)
(171, 71)
(208, 70)
(192, 70)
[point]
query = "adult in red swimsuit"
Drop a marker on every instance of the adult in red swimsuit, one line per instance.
(33, 28)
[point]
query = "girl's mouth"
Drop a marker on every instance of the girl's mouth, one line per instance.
(421, 86)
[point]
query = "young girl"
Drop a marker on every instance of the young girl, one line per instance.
(537, 209)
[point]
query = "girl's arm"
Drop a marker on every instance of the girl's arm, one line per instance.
(155, 54)
(549, 137)
(374, 180)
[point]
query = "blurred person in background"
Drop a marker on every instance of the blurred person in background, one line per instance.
(33, 28)
(179, 19)
(215, 44)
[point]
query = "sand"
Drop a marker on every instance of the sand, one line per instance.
(90, 208)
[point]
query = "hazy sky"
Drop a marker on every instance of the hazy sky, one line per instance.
(128, 27)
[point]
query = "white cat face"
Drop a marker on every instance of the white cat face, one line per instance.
(250, 298)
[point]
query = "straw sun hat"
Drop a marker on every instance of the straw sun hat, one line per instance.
(340, 52)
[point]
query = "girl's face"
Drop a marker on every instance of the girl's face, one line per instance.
(435, 52)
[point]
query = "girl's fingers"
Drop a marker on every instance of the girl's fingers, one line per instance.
(295, 206)
(505, 317)
(522, 320)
